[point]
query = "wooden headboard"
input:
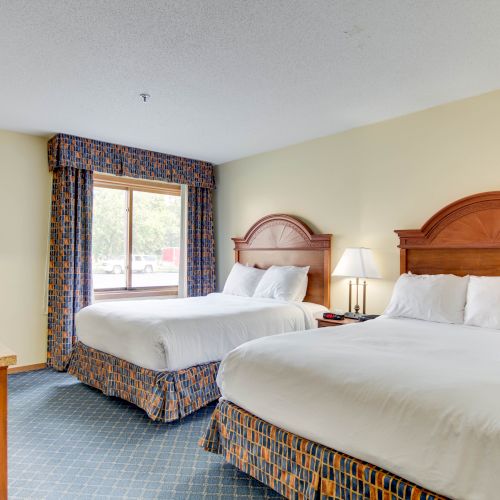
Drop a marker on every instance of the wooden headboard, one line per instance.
(462, 238)
(283, 240)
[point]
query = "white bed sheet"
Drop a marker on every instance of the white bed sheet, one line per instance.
(178, 333)
(419, 399)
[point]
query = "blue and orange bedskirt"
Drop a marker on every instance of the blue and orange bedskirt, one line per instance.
(164, 396)
(296, 467)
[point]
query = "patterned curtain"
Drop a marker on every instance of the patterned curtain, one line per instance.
(200, 244)
(70, 268)
(73, 161)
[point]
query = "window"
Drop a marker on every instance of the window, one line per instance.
(136, 237)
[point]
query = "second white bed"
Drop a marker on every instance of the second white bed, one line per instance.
(419, 399)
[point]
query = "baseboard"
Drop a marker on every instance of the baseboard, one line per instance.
(27, 368)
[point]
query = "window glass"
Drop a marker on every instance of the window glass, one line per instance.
(156, 235)
(109, 238)
(140, 218)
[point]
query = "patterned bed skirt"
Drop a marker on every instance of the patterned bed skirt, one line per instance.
(164, 396)
(296, 467)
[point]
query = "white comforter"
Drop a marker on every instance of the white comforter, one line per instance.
(178, 333)
(419, 399)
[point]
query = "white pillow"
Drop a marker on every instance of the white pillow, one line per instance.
(283, 283)
(302, 291)
(483, 302)
(243, 280)
(431, 297)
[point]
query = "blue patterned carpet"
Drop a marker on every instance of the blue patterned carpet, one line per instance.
(68, 441)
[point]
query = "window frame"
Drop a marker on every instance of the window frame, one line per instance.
(130, 185)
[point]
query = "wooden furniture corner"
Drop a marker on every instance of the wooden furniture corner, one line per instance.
(7, 358)
(324, 323)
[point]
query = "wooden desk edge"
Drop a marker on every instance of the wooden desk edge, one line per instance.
(8, 360)
(7, 356)
(3, 433)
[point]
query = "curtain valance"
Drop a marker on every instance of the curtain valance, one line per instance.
(98, 156)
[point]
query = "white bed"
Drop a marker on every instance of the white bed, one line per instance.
(168, 335)
(430, 390)
(163, 355)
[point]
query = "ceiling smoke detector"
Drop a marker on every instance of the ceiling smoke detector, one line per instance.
(145, 97)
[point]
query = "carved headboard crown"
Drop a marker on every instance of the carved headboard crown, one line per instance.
(462, 238)
(284, 240)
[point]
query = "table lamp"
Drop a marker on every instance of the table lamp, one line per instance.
(356, 263)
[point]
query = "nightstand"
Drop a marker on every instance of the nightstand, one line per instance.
(323, 323)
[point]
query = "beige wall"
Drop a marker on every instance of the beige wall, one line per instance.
(362, 184)
(24, 212)
(359, 185)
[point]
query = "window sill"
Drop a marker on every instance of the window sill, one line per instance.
(136, 294)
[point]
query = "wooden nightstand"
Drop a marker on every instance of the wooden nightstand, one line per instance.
(322, 323)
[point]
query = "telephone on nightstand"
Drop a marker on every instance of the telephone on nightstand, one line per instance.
(360, 317)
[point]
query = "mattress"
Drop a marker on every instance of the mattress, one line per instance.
(178, 333)
(419, 399)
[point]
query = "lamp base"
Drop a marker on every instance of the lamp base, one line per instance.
(355, 314)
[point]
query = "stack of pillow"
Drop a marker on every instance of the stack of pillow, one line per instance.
(442, 298)
(278, 282)
(446, 298)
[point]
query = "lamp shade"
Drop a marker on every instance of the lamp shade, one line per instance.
(357, 263)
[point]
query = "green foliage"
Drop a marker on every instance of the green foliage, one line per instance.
(156, 223)
(108, 223)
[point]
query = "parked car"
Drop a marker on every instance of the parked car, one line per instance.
(140, 264)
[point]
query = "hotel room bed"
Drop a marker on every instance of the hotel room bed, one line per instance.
(163, 355)
(391, 408)
(427, 388)
(176, 334)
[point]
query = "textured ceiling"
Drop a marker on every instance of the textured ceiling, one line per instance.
(230, 78)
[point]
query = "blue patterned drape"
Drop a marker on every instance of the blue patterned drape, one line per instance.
(73, 161)
(70, 268)
(200, 242)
